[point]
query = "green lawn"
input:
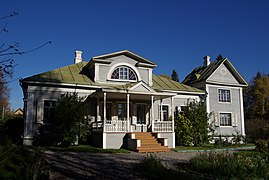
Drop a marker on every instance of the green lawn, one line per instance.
(80, 148)
(211, 147)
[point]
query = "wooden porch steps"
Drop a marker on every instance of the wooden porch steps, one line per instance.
(149, 143)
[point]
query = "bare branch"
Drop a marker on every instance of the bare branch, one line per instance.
(24, 52)
(4, 29)
(8, 16)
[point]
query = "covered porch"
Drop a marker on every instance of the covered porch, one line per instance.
(125, 111)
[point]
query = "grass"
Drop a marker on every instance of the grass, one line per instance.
(210, 147)
(153, 168)
(231, 165)
(17, 162)
(80, 148)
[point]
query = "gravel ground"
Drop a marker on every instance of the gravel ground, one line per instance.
(70, 165)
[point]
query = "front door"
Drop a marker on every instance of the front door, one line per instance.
(141, 113)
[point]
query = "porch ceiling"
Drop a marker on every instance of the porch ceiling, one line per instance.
(111, 94)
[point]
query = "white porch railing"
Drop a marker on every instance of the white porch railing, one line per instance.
(163, 126)
(121, 126)
(97, 126)
(110, 126)
(115, 126)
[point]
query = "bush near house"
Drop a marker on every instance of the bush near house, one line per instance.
(70, 124)
(16, 161)
(192, 127)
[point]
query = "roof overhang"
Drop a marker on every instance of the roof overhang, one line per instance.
(156, 95)
(184, 92)
(130, 54)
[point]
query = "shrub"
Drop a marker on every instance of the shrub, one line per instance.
(152, 167)
(261, 145)
(237, 165)
(70, 124)
(17, 162)
(222, 140)
(238, 138)
(12, 128)
(192, 127)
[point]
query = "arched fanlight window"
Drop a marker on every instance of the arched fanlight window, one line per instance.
(123, 73)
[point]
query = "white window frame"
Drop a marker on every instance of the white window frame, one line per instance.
(161, 117)
(231, 119)
(234, 119)
(218, 96)
(111, 70)
(43, 109)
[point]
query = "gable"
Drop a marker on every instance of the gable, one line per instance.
(140, 60)
(104, 67)
(141, 87)
(223, 75)
(220, 71)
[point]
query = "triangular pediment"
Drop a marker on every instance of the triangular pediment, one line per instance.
(226, 73)
(141, 87)
(108, 58)
(223, 75)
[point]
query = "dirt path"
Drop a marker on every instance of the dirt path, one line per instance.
(69, 165)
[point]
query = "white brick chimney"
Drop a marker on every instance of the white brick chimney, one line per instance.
(206, 60)
(78, 57)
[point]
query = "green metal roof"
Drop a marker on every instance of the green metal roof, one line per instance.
(162, 83)
(67, 74)
(72, 74)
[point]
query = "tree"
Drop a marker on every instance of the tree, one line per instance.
(219, 57)
(174, 76)
(192, 127)
(4, 95)
(7, 62)
(70, 123)
(256, 97)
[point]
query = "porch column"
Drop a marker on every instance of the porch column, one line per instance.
(172, 113)
(152, 113)
(104, 108)
(161, 108)
(97, 110)
(128, 112)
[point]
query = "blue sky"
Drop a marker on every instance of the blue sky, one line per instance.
(176, 34)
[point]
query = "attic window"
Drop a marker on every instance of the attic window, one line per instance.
(123, 73)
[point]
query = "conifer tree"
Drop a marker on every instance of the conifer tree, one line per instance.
(174, 76)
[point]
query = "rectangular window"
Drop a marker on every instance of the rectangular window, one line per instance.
(224, 95)
(225, 119)
(49, 107)
(165, 111)
(183, 109)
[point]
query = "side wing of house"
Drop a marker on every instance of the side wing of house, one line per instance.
(225, 99)
(224, 94)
